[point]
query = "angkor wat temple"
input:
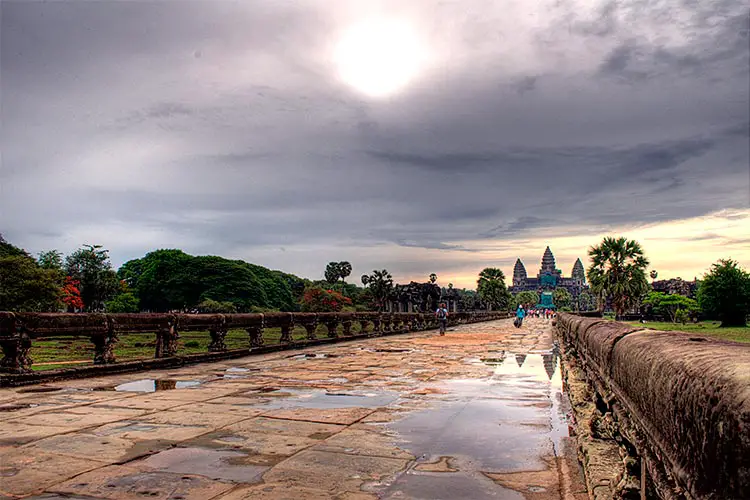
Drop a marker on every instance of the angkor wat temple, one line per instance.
(549, 277)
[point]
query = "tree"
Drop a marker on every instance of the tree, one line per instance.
(332, 272)
(71, 294)
(90, 266)
(724, 293)
(380, 285)
(345, 269)
(9, 250)
(124, 303)
(337, 270)
(216, 307)
(586, 301)
(526, 299)
(318, 299)
(671, 304)
(24, 286)
(562, 298)
(492, 290)
(51, 259)
(433, 278)
(618, 273)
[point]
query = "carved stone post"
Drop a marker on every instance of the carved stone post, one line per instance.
(286, 333)
(331, 324)
(377, 325)
(363, 325)
(15, 354)
(218, 335)
(310, 329)
(166, 341)
(256, 335)
(104, 348)
(347, 326)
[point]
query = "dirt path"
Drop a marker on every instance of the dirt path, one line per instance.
(478, 413)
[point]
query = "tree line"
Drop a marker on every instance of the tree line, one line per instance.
(172, 280)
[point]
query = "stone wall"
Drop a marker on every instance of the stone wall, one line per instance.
(18, 331)
(659, 414)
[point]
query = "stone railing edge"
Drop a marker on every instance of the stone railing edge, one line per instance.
(19, 330)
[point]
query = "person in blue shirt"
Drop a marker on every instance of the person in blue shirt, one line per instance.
(520, 314)
(442, 316)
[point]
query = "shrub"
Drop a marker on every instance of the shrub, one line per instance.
(318, 299)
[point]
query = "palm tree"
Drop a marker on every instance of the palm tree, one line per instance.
(618, 272)
(491, 288)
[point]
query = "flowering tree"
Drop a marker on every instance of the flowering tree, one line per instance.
(71, 294)
(318, 299)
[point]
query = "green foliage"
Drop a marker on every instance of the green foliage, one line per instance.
(98, 281)
(380, 285)
(671, 304)
(24, 286)
(618, 272)
(8, 250)
(51, 259)
(526, 299)
(168, 280)
(337, 270)
(216, 307)
(586, 301)
(724, 293)
(681, 316)
(562, 299)
(123, 303)
(492, 290)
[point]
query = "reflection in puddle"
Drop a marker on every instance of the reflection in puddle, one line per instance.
(153, 385)
(214, 464)
(40, 389)
(311, 355)
(506, 422)
(320, 399)
(16, 407)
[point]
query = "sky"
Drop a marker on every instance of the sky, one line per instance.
(419, 137)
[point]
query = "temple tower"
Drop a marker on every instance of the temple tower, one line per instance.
(579, 274)
(519, 273)
(548, 262)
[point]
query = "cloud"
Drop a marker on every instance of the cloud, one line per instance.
(225, 129)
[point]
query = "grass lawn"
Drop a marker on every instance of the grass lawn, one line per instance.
(709, 328)
(68, 352)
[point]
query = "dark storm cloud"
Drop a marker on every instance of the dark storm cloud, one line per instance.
(223, 127)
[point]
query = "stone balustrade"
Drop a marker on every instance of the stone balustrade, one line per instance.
(674, 407)
(18, 331)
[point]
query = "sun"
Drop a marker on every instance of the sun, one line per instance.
(378, 58)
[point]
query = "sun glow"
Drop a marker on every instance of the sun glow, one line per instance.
(378, 58)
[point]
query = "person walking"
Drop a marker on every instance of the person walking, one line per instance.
(442, 316)
(520, 313)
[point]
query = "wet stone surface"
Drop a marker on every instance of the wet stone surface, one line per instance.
(477, 413)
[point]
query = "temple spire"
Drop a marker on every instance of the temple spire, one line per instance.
(548, 261)
(579, 272)
(519, 272)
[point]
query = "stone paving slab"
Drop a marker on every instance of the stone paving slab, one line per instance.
(410, 416)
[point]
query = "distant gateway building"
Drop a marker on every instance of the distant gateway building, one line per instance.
(549, 279)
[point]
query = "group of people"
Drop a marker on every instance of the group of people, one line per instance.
(442, 315)
(521, 313)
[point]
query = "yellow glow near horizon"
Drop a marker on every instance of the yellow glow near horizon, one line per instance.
(378, 57)
(685, 249)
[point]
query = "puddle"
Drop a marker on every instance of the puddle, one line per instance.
(506, 422)
(214, 464)
(152, 385)
(390, 349)
(40, 389)
(313, 356)
(240, 370)
(16, 407)
(440, 485)
(320, 399)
